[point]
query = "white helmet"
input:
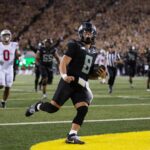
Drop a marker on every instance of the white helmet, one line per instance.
(5, 38)
(103, 52)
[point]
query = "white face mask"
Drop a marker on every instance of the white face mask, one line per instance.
(6, 38)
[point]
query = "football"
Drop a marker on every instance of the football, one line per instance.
(98, 71)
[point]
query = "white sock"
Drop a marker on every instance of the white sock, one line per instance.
(3, 101)
(72, 132)
(44, 95)
(38, 106)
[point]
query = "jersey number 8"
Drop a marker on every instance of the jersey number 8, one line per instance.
(87, 64)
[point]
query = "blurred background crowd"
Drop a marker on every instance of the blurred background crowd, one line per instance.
(125, 23)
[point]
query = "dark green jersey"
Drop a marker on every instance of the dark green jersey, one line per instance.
(82, 59)
(46, 56)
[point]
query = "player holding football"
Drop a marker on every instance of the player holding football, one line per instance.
(75, 68)
(8, 50)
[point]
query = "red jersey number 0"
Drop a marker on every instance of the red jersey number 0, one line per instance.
(6, 55)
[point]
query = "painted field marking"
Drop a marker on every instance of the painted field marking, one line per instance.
(69, 121)
(117, 141)
(109, 105)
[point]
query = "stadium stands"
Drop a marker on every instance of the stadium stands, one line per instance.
(123, 22)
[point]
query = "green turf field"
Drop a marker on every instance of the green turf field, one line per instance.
(124, 110)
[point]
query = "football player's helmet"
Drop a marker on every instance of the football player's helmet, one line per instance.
(103, 52)
(48, 42)
(87, 33)
(6, 36)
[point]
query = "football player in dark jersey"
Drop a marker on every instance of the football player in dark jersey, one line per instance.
(37, 69)
(131, 58)
(45, 56)
(75, 67)
(148, 63)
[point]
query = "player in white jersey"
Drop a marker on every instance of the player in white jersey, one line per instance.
(101, 60)
(8, 50)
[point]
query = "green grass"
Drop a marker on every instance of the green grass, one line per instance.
(105, 106)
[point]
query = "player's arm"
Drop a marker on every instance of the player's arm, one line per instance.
(57, 57)
(63, 69)
(17, 53)
(37, 57)
(119, 60)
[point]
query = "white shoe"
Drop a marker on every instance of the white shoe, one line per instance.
(148, 90)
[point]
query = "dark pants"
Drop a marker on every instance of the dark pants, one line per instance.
(112, 75)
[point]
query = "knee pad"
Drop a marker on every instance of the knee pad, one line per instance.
(48, 107)
(81, 113)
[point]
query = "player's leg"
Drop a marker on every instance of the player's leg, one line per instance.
(130, 76)
(110, 79)
(82, 109)
(40, 84)
(44, 84)
(2, 79)
(15, 72)
(2, 84)
(44, 74)
(8, 83)
(2, 101)
(37, 76)
(148, 81)
(5, 96)
(61, 95)
(50, 77)
(130, 80)
(112, 75)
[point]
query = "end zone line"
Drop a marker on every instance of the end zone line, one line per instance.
(69, 121)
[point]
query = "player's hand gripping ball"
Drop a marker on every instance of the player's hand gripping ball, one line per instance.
(98, 72)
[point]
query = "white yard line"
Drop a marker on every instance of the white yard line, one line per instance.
(69, 121)
(95, 96)
(109, 105)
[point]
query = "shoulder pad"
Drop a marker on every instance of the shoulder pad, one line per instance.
(16, 44)
(74, 43)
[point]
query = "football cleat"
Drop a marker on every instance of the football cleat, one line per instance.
(110, 89)
(32, 109)
(148, 90)
(73, 139)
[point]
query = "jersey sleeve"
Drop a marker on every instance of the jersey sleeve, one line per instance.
(16, 45)
(71, 49)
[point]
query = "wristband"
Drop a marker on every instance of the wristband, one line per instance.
(64, 75)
